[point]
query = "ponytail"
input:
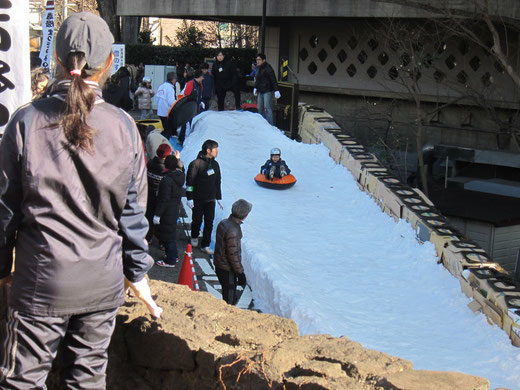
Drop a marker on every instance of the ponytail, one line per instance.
(79, 102)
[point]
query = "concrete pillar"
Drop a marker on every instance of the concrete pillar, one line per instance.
(130, 28)
(272, 47)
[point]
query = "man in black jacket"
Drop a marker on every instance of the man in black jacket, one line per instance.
(265, 86)
(202, 189)
(226, 79)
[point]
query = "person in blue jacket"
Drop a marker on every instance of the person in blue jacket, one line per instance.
(208, 85)
(275, 166)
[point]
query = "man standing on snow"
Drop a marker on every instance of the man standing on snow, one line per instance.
(265, 86)
(226, 79)
(202, 190)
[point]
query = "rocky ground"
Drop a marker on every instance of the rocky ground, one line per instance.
(203, 343)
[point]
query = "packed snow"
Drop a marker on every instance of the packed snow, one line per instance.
(324, 254)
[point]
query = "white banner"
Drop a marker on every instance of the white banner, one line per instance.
(119, 57)
(47, 35)
(15, 87)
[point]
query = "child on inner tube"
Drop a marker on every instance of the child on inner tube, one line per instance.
(275, 166)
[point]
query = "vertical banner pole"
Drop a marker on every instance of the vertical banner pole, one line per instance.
(47, 35)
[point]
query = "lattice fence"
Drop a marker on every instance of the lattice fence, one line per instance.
(357, 57)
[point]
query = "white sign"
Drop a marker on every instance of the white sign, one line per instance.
(15, 87)
(119, 57)
(48, 35)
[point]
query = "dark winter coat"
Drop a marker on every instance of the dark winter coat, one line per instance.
(225, 75)
(155, 174)
(208, 84)
(265, 80)
(168, 202)
(117, 95)
(199, 184)
(269, 163)
(228, 250)
(76, 219)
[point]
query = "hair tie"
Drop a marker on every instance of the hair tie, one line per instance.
(75, 72)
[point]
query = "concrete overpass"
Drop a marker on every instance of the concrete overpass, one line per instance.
(252, 11)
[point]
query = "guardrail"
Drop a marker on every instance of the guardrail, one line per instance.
(493, 290)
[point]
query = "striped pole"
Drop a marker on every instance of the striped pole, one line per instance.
(285, 69)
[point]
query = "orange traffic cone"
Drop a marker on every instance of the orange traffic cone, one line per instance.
(188, 276)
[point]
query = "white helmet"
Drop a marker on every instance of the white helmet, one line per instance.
(147, 80)
(276, 151)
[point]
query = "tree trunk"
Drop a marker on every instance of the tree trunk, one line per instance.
(107, 10)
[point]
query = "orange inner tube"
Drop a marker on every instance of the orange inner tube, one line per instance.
(289, 179)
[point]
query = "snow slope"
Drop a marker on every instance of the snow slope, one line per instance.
(324, 254)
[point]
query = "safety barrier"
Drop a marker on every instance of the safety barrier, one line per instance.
(492, 289)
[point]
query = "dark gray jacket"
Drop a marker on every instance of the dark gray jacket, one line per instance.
(228, 247)
(76, 220)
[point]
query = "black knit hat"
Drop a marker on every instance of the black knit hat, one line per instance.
(171, 162)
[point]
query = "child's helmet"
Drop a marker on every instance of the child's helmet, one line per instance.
(147, 80)
(276, 151)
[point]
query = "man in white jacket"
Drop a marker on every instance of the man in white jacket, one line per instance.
(165, 97)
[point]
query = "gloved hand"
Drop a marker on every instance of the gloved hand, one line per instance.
(190, 203)
(202, 105)
(142, 291)
(220, 204)
(156, 220)
(241, 279)
(277, 94)
(255, 92)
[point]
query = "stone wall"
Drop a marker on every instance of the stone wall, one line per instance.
(493, 290)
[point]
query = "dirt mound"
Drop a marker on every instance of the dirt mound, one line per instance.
(203, 343)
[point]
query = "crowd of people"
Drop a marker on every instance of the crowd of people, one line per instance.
(84, 190)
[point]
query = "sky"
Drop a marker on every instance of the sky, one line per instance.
(325, 255)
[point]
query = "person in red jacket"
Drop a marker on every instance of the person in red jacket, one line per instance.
(194, 89)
